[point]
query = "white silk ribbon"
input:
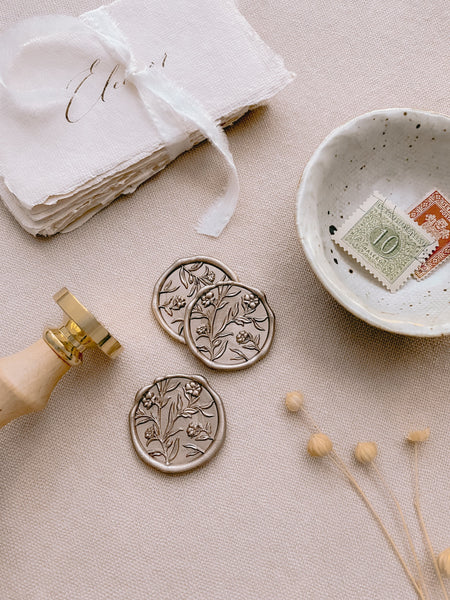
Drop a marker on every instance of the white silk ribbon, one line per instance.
(168, 105)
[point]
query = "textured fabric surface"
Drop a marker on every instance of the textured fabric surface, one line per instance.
(81, 516)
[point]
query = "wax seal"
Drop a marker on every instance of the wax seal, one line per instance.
(179, 284)
(229, 326)
(177, 423)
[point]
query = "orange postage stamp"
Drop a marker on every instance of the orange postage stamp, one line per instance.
(433, 214)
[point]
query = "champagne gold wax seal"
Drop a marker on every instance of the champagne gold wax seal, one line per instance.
(177, 423)
(229, 326)
(179, 284)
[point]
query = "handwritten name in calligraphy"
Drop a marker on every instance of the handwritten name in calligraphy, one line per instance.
(94, 82)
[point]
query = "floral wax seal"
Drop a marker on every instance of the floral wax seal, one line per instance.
(177, 423)
(179, 284)
(229, 326)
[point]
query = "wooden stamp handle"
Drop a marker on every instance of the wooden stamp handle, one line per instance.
(27, 379)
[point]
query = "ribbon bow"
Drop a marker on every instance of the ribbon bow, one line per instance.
(170, 105)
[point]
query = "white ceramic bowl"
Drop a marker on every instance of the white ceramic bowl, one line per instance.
(405, 155)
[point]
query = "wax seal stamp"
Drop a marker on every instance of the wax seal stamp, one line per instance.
(28, 378)
(229, 326)
(177, 423)
(179, 284)
(81, 331)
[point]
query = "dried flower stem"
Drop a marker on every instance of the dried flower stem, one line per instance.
(422, 523)
(344, 469)
(405, 527)
(312, 423)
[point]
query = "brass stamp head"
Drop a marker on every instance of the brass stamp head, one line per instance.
(81, 331)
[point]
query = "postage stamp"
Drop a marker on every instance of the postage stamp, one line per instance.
(385, 241)
(433, 214)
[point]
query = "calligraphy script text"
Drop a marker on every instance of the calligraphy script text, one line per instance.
(95, 82)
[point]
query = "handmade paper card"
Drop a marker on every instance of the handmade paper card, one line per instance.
(93, 106)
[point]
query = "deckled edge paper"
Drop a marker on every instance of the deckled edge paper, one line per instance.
(216, 218)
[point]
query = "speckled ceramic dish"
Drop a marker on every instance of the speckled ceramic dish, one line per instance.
(405, 155)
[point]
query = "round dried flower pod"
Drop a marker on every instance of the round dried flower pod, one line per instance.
(294, 401)
(421, 435)
(319, 445)
(365, 452)
(443, 561)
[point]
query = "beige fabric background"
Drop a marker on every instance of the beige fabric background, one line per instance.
(81, 517)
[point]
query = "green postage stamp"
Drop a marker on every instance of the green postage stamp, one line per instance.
(385, 241)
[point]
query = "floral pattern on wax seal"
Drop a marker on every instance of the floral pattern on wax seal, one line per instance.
(229, 326)
(177, 423)
(179, 284)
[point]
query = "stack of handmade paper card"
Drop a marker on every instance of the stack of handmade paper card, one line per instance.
(91, 107)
